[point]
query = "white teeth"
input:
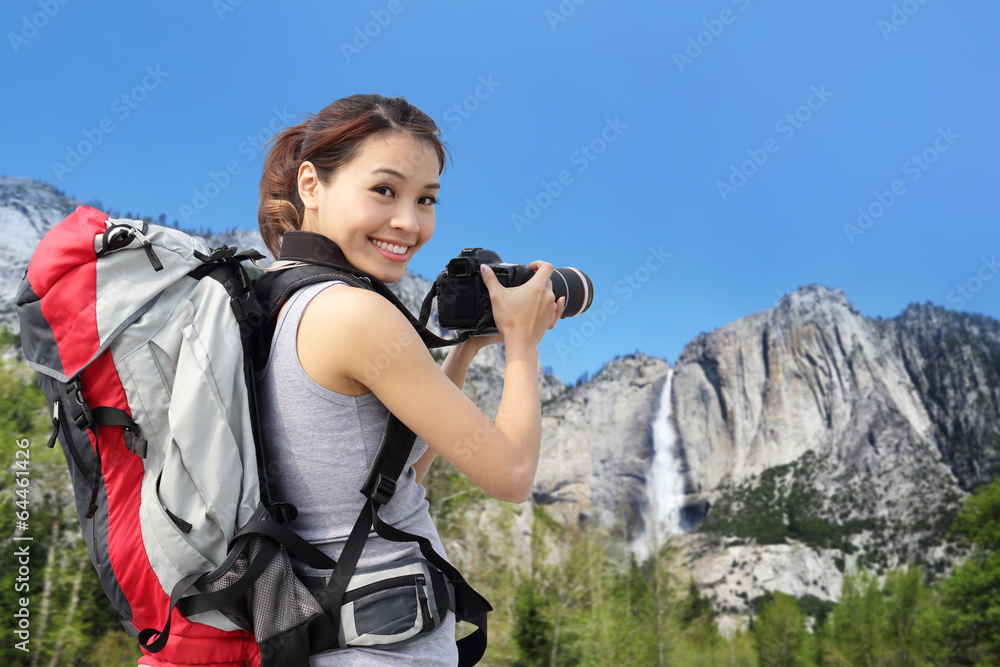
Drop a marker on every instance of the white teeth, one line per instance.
(394, 249)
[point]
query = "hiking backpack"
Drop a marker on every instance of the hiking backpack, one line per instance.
(145, 341)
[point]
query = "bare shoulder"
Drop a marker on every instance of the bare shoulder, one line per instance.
(345, 331)
(357, 313)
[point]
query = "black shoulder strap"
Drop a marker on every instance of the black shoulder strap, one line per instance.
(379, 487)
(316, 249)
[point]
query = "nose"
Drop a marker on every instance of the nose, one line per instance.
(405, 220)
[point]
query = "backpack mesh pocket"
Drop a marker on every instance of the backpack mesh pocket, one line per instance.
(276, 602)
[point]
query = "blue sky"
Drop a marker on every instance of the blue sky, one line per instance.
(697, 159)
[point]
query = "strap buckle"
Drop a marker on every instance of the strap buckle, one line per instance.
(79, 411)
(385, 488)
(247, 310)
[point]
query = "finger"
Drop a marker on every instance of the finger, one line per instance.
(560, 308)
(543, 269)
(489, 278)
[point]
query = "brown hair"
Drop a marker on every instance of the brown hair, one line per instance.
(330, 139)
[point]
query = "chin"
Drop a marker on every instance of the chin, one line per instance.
(389, 277)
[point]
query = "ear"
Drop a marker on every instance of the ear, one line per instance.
(309, 185)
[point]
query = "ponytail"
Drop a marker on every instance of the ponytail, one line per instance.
(280, 208)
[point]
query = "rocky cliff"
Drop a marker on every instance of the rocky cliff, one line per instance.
(953, 361)
(597, 446)
(809, 439)
(813, 429)
(28, 209)
(810, 375)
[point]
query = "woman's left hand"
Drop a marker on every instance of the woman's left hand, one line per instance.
(479, 342)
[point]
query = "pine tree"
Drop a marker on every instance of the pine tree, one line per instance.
(782, 637)
(972, 594)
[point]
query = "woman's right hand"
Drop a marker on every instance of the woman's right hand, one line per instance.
(524, 313)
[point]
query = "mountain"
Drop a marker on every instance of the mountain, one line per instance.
(29, 208)
(797, 443)
(811, 425)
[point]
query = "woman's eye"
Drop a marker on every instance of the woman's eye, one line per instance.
(428, 200)
(384, 190)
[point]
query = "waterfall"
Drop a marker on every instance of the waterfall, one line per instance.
(665, 484)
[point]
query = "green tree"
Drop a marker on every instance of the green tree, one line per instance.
(853, 635)
(532, 631)
(69, 613)
(909, 626)
(972, 594)
(782, 637)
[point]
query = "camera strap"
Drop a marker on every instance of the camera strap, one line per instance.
(425, 314)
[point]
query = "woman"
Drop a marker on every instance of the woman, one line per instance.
(364, 173)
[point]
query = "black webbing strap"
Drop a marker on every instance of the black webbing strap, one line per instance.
(108, 416)
(393, 453)
(470, 606)
(332, 597)
(296, 545)
(76, 408)
(397, 443)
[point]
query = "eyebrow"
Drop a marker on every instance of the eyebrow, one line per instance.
(396, 174)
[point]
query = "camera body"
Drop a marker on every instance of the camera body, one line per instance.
(462, 298)
(464, 301)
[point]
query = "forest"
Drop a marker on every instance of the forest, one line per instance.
(577, 602)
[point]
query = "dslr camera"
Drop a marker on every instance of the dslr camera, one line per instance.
(464, 301)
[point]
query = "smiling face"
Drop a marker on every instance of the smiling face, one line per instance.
(379, 207)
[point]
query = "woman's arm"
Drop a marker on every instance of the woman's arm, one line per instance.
(455, 367)
(501, 456)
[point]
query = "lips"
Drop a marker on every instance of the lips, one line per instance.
(392, 251)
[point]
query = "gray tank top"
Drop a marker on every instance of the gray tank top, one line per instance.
(320, 445)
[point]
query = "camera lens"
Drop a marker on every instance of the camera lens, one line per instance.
(575, 285)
